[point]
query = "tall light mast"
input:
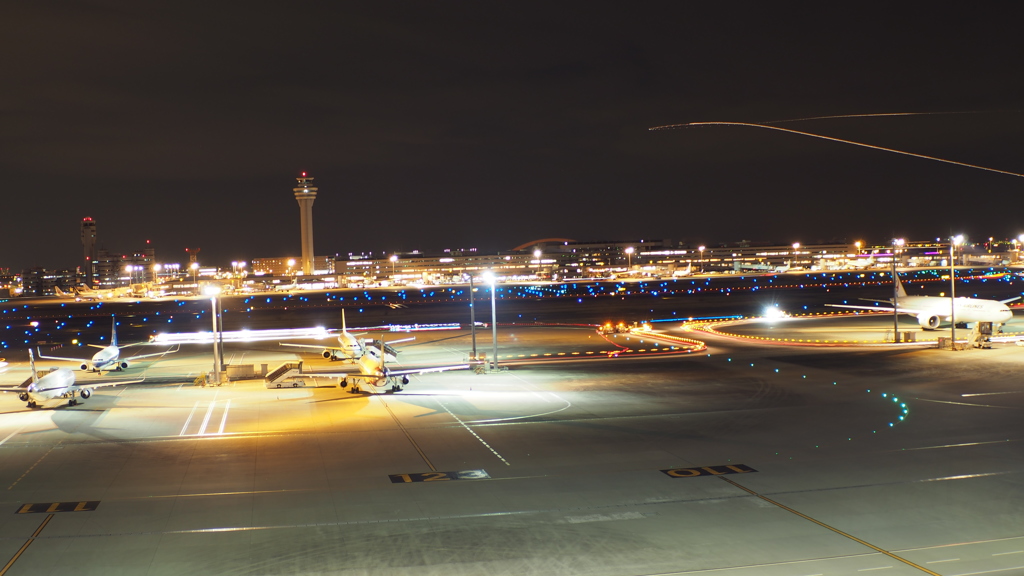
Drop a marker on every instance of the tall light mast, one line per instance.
(305, 194)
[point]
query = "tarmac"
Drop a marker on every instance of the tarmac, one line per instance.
(743, 458)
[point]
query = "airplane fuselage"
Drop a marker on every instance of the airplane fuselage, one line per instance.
(930, 309)
(58, 384)
(105, 359)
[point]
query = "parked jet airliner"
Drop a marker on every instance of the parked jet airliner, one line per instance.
(931, 311)
(109, 357)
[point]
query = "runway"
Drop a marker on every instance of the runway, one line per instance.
(740, 459)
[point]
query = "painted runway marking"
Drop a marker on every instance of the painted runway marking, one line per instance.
(992, 393)
(51, 507)
(475, 435)
(826, 526)
(25, 546)
(189, 419)
(406, 432)
(224, 417)
(967, 573)
(1005, 553)
(34, 465)
(941, 561)
(11, 435)
(439, 476)
(708, 471)
(206, 419)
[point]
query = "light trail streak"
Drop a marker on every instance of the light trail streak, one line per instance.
(840, 140)
(878, 115)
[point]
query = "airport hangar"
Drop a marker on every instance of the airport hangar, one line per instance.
(744, 458)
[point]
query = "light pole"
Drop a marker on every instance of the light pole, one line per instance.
(291, 264)
(629, 258)
(472, 316)
(536, 257)
(212, 291)
(394, 258)
(701, 260)
(195, 283)
(1020, 240)
(895, 292)
(792, 260)
(493, 281)
(952, 288)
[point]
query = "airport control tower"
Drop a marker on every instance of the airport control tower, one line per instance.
(89, 246)
(305, 194)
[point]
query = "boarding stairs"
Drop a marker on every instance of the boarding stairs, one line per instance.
(287, 375)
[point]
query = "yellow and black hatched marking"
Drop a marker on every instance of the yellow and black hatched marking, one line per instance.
(438, 476)
(51, 507)
(708, 471)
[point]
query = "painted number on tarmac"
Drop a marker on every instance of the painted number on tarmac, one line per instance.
(50, 507)
(708, 471)
(438, 476)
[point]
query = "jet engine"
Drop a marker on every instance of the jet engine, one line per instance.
(122, 365)
(928, 322)
(328, 354)
(23, 396)
(83, 366)
(85, 392)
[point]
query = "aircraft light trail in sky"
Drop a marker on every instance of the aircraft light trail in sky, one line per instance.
(841, 140)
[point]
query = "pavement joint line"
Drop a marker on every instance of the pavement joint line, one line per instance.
(823, 525)
(25, 546)
(407, 435)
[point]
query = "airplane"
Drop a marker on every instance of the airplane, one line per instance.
(684, 272)
(350, 348)
(109, 357)
(765, 268)
(375, 376)
(931, 311)
(57, 384)
(87, 294)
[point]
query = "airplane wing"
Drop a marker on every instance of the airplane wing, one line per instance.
(1008, 300)
(876, 308)
(427, 370)
(92, 385)
(404, 372)
(41, 355)
(141, 356)
(314, 347)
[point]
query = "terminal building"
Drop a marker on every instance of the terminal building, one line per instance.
(557, 259)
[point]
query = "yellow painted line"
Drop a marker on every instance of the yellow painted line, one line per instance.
(836, 530)
(404, 431)
(25, 545)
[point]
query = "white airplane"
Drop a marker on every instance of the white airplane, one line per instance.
(376, 377)
(58, 384)
(684, 272)
(349, 347)
(109, 357)
(373, 374)
(81, 294)
(931, 311)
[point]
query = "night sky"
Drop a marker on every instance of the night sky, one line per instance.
(432, 125)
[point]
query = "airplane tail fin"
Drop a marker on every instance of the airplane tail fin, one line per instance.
(113, 331)
(900, 292)
(32, 365)
(343, 327)
(58, 291)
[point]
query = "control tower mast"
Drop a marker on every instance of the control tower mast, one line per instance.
(305, 194)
